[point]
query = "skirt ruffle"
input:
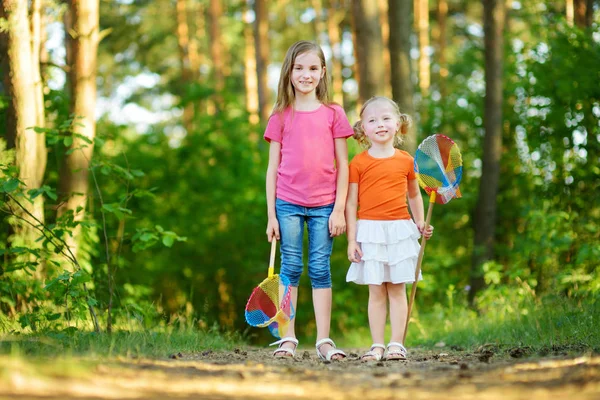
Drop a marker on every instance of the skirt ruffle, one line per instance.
(390, 252)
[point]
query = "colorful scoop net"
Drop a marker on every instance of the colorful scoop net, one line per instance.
(264, 308)
(438, 165)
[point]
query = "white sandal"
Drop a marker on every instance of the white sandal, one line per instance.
(331, 352)
(398, 354)
(288, 352)
(372, 353)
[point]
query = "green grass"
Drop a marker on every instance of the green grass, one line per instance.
(554, 324)
(153, 344)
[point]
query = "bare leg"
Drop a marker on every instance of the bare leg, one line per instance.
(322, 305)
(377, 314)
(398, 310)
(291, 331)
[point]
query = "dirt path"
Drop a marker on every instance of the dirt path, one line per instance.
(252, 374)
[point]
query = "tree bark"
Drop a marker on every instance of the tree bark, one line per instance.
(399, 12)
(369, 49)
(584, 12)
(216, 50)
(385, 37)
(82, 53)
(250, 74)
(183, 41)
(22, 79)
(442, 17)
(334, 17)
(261, 40)
(422, 17)
(486, 209)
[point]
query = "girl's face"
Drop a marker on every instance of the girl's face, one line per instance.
(380, 122)
(307, 72)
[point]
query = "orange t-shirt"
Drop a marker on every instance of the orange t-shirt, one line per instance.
(382, 185)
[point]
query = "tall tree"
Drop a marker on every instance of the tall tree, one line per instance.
(486, 209)
(442, 17)
(399, 13)
(334, 18)
(216, 50)
(422, 22)
(369, 49)
(250, 76)
(83, 38)
(261, 40)
(25, 110)
(385, 36)
(584, 13)
(187, 70)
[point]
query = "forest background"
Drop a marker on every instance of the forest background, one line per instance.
(133, 165)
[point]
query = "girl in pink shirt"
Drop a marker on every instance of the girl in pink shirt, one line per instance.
(307, 182)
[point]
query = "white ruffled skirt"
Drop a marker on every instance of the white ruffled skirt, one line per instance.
(390, 252)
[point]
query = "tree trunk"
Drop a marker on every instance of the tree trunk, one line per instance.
(74, 177)
(569, 11)
(250, 73)
(369, 49)
(183, 41)
(334, 17)
(22, 79)
(422, 17)
(442, 17)
(385, 36)
(584, 12)
(485, 213)
(399, 12)
(261, 40)
(216, 51)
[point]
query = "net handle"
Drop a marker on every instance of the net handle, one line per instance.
(413, 291)
(272, 258)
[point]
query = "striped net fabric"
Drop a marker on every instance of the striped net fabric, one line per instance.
(264, 308)
(438, 165)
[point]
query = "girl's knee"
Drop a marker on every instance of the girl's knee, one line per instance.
(292, 274)
(320, 278)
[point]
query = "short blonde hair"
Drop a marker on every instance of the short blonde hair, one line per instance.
(404, 119)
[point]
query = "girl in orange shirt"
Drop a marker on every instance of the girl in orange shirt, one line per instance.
(383, 243)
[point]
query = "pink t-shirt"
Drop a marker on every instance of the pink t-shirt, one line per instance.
(306, 175)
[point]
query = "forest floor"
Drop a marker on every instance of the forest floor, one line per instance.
(251, 373)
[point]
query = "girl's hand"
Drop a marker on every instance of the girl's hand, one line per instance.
(426, 233)
(354, 252)
(272, 229)
(337, 223)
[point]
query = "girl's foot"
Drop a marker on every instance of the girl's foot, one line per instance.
(327, 351)
(287, 347)
(395, 351)
(375, 353)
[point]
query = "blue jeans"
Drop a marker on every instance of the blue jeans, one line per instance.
(291, 218)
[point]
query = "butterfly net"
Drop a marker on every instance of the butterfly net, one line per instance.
(266, 309)
(438, 165)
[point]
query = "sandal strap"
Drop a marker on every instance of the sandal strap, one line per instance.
(334, 352)
(377, 346)
(397, 344)
(324, 341)
(285, 340)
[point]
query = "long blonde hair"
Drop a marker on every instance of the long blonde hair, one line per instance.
(404, 119)
(286, 94)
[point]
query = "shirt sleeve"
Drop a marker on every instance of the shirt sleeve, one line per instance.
(274, 131)
(341, 126)
(411, 168)
(354, 173)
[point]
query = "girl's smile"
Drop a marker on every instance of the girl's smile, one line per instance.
(307, 72)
